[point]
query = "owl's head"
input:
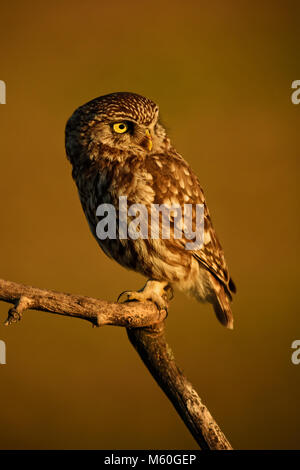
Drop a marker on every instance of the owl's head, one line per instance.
(114, 126)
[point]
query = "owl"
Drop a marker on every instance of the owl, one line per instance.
(118, 148)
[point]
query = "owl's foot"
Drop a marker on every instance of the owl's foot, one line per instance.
(158, 292)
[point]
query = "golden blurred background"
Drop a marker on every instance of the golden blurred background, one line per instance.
(221, 73)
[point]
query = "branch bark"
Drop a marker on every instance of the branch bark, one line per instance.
(146, 331)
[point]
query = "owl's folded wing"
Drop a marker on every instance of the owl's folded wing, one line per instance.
(174, 183)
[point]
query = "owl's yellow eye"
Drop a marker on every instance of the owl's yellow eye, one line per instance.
(120, 127)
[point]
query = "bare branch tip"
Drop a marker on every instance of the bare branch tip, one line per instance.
(15, 313)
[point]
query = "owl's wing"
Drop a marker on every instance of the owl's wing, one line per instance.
(174, 183)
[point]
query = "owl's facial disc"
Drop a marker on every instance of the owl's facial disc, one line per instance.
(124, 135)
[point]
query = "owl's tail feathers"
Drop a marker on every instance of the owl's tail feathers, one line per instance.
(223, 310)
(221, 303)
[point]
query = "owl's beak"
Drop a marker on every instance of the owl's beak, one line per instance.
(149, 140)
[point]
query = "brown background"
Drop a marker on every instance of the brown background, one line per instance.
(222, 76)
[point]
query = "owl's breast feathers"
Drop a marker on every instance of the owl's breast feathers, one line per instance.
(155, 179)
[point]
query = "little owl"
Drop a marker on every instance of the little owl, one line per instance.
(118, 147)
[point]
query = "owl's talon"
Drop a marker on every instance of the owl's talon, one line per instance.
(131, 296)
(157, 292)
(122, 293)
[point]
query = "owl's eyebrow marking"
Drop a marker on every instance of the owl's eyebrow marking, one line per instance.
(127, 121)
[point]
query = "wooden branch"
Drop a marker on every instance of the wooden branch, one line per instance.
(146, 331)
(98, 312)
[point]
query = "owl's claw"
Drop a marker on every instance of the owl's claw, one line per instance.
(123, 293)
(158, 292)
